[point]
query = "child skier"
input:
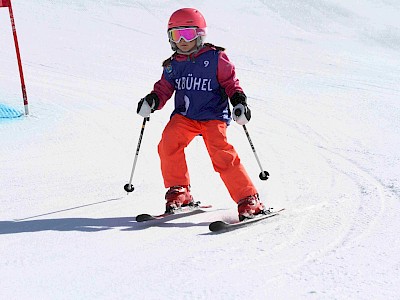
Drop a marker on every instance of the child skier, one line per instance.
(202, 78)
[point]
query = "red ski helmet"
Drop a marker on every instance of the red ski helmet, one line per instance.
(187, 17)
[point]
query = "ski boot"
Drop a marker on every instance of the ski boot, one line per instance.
(178, 196)
(251, 206)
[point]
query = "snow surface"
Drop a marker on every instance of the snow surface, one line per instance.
(322, 77)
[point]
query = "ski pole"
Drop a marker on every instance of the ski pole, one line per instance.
(129, 187)
(264, 174)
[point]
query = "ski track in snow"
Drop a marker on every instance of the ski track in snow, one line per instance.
(325, 125)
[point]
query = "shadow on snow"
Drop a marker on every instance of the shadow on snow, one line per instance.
(86, 225)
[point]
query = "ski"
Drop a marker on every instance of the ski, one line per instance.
(181, 212)
(220, 226)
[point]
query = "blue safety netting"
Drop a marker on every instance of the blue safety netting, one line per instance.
(8, 112)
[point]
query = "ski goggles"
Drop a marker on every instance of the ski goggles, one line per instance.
(188, 34)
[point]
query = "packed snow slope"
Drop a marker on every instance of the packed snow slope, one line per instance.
(322, 79)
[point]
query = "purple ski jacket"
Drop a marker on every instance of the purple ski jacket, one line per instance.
(202, 83)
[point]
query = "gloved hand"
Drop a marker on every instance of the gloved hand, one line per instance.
(148, 105)
(241, 112)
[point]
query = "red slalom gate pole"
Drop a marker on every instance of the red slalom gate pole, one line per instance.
(7, 3)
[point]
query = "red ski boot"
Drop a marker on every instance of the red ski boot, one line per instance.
(178, 196)
(249, 207)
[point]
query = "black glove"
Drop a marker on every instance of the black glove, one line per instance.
(238, 97)
(148, 105)
(241, 112)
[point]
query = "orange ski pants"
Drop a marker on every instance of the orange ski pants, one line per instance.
(177, 135)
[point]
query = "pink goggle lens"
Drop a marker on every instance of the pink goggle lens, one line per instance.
(188, 34)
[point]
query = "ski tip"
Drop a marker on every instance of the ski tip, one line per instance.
(143, 217)
(217, 226)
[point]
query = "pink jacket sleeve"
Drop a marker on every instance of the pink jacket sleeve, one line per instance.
(163, 90)
(227, 76)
